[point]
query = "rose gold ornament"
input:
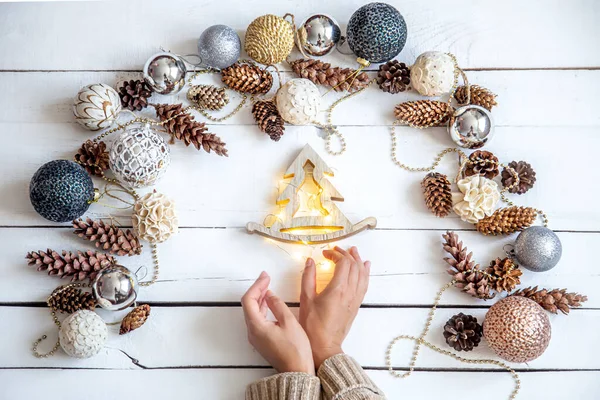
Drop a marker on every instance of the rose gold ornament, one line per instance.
(517, 329)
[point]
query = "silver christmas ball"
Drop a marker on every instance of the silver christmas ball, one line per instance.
(471, 127)
(219, 46)
(538, 249)
(115, 288)
(319, 34)
(165, 73)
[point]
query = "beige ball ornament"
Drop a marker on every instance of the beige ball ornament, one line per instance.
(269, 39)
(433, 74)
(517, 329)
(83, 334)
(96, 106)
(298, 101)
(154, 218)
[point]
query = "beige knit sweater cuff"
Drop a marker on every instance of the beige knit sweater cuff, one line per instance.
(286, 386)
(343, 378)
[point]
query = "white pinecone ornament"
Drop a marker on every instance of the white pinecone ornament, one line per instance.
(154, 218)
(298, 101)
(96, 106)
(433, 73)
(83, 334)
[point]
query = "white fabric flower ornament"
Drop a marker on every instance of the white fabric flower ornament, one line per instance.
(477, 198)
(154, 218)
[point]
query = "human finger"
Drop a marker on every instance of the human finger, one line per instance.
(355, 267)
(252, 297)
(342, 267)
(280, 310)
(309, 281)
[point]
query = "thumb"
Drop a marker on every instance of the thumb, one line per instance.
(309, 281)
(278, 307)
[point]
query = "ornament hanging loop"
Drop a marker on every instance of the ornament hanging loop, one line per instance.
(509, 249)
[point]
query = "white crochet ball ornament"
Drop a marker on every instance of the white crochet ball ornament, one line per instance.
(433, 73)
(298, 101)
(96, 106)
(139, 157)
(83, 334)
(154, 218)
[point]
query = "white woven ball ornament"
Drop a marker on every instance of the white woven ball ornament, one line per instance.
(96, 106)
(433, 73)
(298, 101)
(154, 218)
(83, 334)
(139, 156)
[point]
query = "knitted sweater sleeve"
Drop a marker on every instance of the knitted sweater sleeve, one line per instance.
(286, 386)
(342, 378)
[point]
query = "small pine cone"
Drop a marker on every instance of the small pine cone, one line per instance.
(438, 194)
(462, 332)
(483, 163)
(208, 97)
(136, 318)
(553, 300)
(247, 78)
(393, 77)
(423, 113)
(339, 79)
(79, 266)
(93, 157)
(134, 94)
(526, 177)
(108, 237)
(70, 299)
(506, 274)
(505, 221)
(480, 96)
(268, 119)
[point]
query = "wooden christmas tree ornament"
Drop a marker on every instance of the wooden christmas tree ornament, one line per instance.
(309, 214)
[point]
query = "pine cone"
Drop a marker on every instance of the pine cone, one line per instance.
(438, 194)
(483, 163)
(462, 332)
(393, 77)
(134, 94)
(93, 157)
(339, 79)
(467, 274)
(526, 177)
(208, 97)
(247, 78)
(506, 274)
(423, 113)
(480, 96)
(268, 119)
(79, 266)
(184, 127)
(70, 299)
(136, 318)
(108, 237)
(505, 221)
(553, 300)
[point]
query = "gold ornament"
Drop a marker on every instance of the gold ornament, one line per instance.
(269, 39)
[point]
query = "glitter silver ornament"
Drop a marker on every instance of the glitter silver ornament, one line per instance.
(165, 73)
(83, 334)
(319, 34)
(471, 127)
(219, 46)
(115, 288)
(538, 249)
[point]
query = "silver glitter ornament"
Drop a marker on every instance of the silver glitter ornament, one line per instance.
(538, 249)
(319, 34)
(115, 288)
(219, 46)
(165, 73)
(471, 127)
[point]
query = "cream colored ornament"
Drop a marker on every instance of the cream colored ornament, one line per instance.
(83, 334)
(298, 101)
(433, 74)
(477, 198)
(154, 218)
(96, 106)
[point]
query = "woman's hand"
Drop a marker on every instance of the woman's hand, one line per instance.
(328, 316)
(283, 343)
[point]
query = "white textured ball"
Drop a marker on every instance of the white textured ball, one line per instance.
(96, 106)
(154, 218)
(298, 101)
(83, 334)
(433, 73)
(139, 157)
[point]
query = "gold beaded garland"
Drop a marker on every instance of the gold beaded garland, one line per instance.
(269, 39)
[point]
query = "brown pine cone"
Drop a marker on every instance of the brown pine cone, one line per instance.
(136, 318)
(247, 78)
(553, 300)
(108, 237)
(423, 113)
(320, 73)
(526, 177)
(134, 94)
(506, 274)
(462, 332)
(268, 119)
(480, 96)
(482, 162)
(79, 266)
(208, 97)
(70, 299)
(438, 194)
(505, 221)
(93, 157)
(393, 77)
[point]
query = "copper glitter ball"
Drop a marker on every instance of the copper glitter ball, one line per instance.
(517, 329)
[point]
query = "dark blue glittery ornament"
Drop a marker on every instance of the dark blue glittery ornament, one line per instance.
(61, 191)
(376, 32)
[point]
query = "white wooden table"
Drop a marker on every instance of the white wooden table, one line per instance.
(541, 57)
